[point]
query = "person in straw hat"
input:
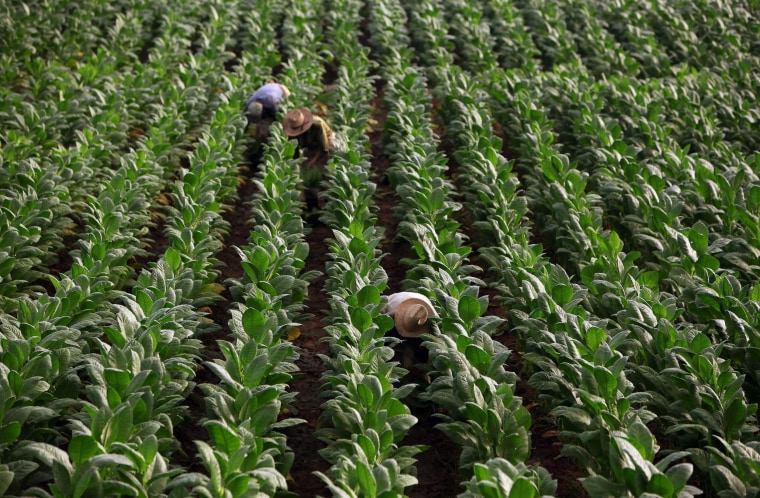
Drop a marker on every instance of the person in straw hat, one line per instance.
(315, 140)
(314, 135)
(411, 312)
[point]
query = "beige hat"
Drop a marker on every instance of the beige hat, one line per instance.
(296, 122)
(410, 312)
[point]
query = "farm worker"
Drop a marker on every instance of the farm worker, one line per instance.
(410, 312)
(315, 140)
(265, 102)
(313, 133)
(261, 110)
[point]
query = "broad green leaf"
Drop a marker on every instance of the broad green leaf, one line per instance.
(478, 358)
(699, 237)
(365, 396)
(660, 485)
(367, 446)
(700, 342)
(10, 432)
(476, 414)
(599, 487)
(606, 384)
(109, 459)
(82, 447)
(562, 294)
(489, 490)
(118, 487)
(358, 246)
(118, 379)
(253, 320)
(684, 245)
(384, 481)
(756, 293)
(386, 441)
(549, 170)
(436, 199)
(734, 417)
(84, 479)
(384, 323)
(144, 300)
(369, 294)
(260, 261)
(401, 424)
(754, 196)
(173, 258)
(366, 480)
(212, 466)
(679, 475)
(722, 478)
(708, 262)
(255, 371)
(238, 485)
(594, 337)
(642, 438)
(378, 385)
(469, 309)
(283, 284)
(649, 279)
(361, 318)
(263, 418)
(523, 488)
(224, 438)
(149, 448)
(6, 478)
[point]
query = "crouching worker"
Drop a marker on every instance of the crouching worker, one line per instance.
(315, 138)
(315, 141)
(410, 312)
(263, 107)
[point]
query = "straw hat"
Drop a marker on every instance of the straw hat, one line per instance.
(296, 122)
(410, 312)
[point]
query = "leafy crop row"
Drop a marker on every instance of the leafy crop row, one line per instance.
(605, 152)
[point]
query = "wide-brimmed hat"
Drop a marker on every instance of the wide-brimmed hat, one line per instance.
(296, 122)
(411, 317)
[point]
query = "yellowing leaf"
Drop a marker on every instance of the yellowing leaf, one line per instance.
(294, 333)
(321, 109)
(215, 288)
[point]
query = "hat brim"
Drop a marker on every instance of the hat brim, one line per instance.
(294, 131)
(417, 330)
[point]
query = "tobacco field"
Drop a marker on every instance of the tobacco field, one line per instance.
(574, 185)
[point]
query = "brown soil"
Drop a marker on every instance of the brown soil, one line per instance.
(437, 466)
(301, 438)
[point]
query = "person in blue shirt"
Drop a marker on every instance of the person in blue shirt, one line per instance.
(263, 105)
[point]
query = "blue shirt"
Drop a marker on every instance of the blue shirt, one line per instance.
(269, 95)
